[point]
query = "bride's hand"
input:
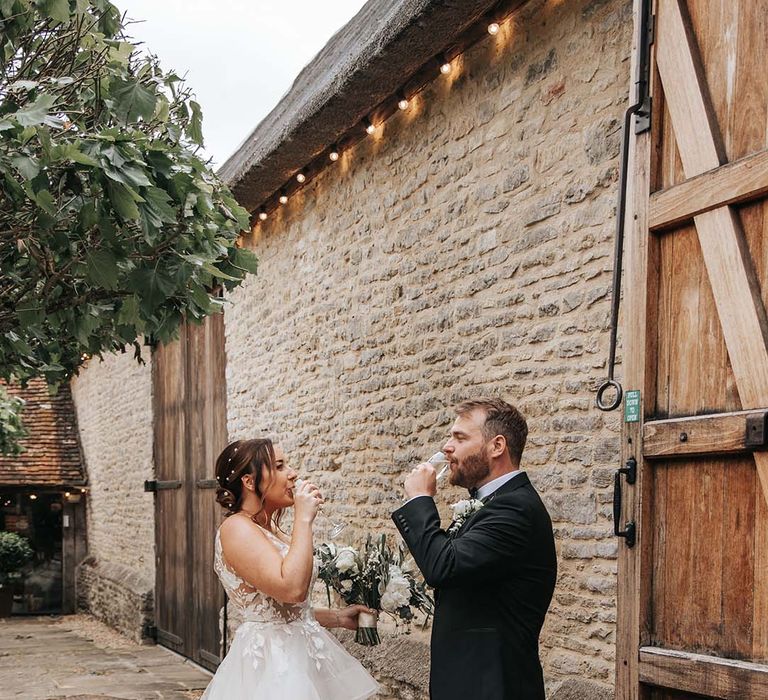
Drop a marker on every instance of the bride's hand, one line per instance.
(347, 617)
(307, 500)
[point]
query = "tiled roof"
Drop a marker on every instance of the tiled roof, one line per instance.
(52, 454)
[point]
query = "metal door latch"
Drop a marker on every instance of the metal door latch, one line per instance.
(629, 531)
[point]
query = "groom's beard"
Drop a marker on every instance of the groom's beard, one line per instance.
(471, 471)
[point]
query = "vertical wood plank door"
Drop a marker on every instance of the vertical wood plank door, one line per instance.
(189, 401)
(207, 431)
(693, 591)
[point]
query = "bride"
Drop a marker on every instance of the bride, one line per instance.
(279, 649)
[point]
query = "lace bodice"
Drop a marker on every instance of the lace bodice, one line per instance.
(247, 604)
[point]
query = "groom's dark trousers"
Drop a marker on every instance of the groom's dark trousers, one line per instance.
(493, 583)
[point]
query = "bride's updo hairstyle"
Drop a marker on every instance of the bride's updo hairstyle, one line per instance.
(242, 457)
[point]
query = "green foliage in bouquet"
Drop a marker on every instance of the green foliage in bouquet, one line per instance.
(377, 576)
(15, 552)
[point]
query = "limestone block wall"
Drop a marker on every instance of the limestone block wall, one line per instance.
(464, 249)
(113, 400)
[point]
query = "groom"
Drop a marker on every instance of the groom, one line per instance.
(494, 570)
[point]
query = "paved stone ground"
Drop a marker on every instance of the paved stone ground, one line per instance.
(76, 657)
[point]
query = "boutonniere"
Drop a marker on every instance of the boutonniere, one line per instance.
(461, 511)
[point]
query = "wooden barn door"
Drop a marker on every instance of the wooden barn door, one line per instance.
(189, 401)
(693, 591)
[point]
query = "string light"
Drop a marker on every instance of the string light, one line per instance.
(32, 497)
(403, 103)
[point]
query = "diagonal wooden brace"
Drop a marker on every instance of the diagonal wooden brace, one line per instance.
(729, 266)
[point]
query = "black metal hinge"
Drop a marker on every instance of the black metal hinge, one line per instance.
(648, 29)
(153, 485)
(756, 437)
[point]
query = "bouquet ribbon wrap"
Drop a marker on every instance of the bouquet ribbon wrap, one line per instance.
(365, 619)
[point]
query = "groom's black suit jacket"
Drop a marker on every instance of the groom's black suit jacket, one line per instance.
(493, 583)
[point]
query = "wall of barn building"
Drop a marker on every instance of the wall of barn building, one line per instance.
(113, 400)
(465, 249)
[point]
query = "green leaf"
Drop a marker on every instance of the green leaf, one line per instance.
(57, 10)
(153, 287)
(46, 202)
(160, 203)
(27, 167)
(70, 151)
(213, 270)
(245, 259)
(102, 268)
(132, 101)
(123, 200)
(30, 313)
(85, 325)
(128, 315)
(38, 112)
(89, 215)
(195, 128)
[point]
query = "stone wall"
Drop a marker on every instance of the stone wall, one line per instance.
(464, 249)
(113, 400)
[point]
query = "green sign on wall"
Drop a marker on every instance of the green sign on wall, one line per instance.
(632, 406)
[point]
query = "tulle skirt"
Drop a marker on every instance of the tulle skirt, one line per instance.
(297, 660)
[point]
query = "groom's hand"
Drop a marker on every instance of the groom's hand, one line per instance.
(421, 481)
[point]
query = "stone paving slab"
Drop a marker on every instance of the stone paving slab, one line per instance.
(47, 658)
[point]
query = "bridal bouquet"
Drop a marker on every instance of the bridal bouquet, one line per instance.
(377, 576)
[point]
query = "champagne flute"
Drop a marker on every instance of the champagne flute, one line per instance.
(440, 460)
(337, 526)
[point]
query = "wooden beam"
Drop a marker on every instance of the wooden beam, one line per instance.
(720, 433)
(740, 181)
(710, 676)
(726, 255)
(633, 588)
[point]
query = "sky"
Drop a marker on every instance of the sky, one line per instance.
(239, 56)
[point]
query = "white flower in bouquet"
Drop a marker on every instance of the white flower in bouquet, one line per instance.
(346, 561)
(397, 593)
(346, 586)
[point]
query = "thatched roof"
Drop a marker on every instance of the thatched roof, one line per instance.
(364, 63)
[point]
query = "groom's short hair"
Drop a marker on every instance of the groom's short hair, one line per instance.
(501, 418)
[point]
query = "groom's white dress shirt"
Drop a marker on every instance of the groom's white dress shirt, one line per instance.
(487, 489)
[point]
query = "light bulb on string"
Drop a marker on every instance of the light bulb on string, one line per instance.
(445, 64)
(369, 127)
(283, 197)
(262, 215)
(301, 177)
(334, 154)
(493, 28)
(402, 101)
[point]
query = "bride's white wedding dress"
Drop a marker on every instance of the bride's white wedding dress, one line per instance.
(279, 650)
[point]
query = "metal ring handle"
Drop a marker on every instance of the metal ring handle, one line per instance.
(608, 384)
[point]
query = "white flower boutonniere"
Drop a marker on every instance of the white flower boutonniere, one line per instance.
(461, 511)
